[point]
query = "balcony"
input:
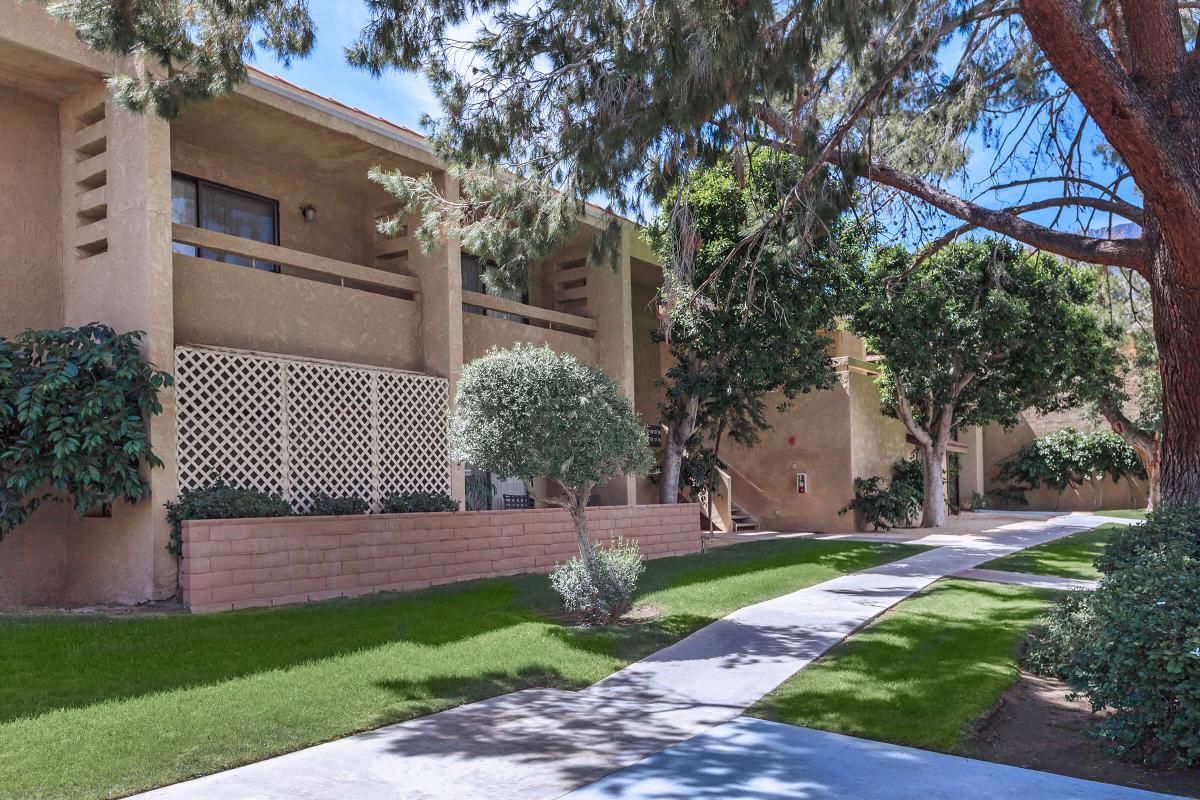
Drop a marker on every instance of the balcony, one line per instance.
(293, 303)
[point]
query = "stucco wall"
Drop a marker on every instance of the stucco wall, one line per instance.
(648, 358)
(343, 227)
(481, 333)
(877, 441)
(813, 436)
(226, 305)
(231, 564)
(30, 213)
(999, 444)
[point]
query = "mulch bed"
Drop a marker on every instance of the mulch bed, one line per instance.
(1035, 726)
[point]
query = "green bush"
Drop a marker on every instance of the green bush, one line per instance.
(419, 502)
(1133, 646)
(1068, 459)
(894, 505)
(1051, 645)
(324, 505)
(603, 595)
(220, 500)
(73, 409)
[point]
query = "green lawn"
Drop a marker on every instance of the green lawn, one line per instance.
(1070, 557)
(96, 707)
(1124, 513)
(920, 674)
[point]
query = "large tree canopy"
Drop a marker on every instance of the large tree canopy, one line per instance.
(976, 334)
(621, 99)
(739, 330)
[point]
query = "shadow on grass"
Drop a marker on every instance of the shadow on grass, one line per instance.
(1071, 557)
(841, 557)
(920, 674)
(63, 662)
(55, 662)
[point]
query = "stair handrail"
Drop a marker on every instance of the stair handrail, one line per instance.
(741, 476)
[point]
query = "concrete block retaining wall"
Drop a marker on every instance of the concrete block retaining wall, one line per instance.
(239, 563)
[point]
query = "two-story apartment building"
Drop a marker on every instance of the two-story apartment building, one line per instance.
(310, 353)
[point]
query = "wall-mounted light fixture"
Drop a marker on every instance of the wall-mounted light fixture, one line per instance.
(308, 211)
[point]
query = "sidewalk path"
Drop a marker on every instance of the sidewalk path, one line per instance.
(541, 743)
(1025, 579)
(752, 759)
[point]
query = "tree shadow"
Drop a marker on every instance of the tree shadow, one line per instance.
(57, 662)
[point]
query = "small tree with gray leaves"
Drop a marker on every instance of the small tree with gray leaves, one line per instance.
(530, 412)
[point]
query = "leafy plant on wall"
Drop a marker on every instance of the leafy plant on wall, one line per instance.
(1068, 459)
(73, 409)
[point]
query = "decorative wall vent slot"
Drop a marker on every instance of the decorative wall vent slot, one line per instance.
(570, 280)
(89, 145)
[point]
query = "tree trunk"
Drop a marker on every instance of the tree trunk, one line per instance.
(1146, 445)
(1153, 482)
(933, 461)
(680, 431)
(1175, 289)
(578, 510)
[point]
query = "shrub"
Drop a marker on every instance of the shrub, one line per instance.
(419, 502)
(895, 505)
(1067, 459)
(324, 505)
(220, 500)
(1133, 645)
(531, 412)
(604, 593)
(73, 410)
(976, 501)
(1050, 646)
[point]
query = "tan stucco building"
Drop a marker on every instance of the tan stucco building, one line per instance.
(241, 238)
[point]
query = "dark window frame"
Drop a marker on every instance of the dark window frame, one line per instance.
(199, 183)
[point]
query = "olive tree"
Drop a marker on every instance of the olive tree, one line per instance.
(530, 412)
(975, 334)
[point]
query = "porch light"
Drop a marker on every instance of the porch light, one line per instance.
(308, 211)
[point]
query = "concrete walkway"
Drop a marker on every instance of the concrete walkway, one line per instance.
(541, 743)
(1024, 579)
(751, 759)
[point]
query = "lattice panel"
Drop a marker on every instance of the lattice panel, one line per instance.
(412, 421)
(302, 427)
(229, 419)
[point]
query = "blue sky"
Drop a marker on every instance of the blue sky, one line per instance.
(394, 96)
(404, 98)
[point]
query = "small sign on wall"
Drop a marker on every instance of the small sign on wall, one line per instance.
(801, 483)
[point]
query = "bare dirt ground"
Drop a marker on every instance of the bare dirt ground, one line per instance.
(1035, 726)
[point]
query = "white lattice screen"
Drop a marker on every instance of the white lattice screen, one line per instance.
(301, 427)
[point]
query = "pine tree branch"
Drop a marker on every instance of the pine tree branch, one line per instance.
(1129, 122)
(1130, 253)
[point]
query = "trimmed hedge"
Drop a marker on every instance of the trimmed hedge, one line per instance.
(419, 502)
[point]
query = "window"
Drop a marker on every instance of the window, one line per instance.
(472, 281)
(214, 207)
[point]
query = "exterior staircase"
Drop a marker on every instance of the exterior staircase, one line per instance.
(741, 520)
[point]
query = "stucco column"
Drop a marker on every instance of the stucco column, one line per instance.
(610, 300)
(441, 315)
(971, 474)
(117, 204)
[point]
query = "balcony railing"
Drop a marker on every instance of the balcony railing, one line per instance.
(298, 264)
(532, 315)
